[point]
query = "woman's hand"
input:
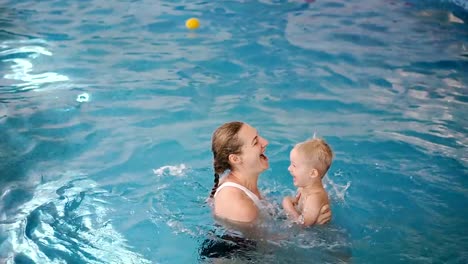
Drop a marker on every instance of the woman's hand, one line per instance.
(325, 215)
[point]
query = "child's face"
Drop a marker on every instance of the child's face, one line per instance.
(299, 169)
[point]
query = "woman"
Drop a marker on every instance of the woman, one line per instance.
(239, 148)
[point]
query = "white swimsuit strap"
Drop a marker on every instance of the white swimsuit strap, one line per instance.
(249, 193)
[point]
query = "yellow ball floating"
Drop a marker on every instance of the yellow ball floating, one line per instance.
(192, 23)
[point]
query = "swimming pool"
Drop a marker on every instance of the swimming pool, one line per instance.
(107, 109)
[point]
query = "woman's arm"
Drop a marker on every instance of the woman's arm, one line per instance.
(325, 215)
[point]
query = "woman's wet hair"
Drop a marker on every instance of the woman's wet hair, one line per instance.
(225, 141)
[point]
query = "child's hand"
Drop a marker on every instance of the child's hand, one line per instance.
(292, 200)
(296, 199)
(289, 206)
(288, 202)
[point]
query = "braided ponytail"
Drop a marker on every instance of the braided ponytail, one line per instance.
(216, 183)
(223, 143)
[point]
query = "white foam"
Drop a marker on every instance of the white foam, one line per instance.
(177, 170)
(82, 98)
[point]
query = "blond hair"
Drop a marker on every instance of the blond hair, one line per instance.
(318, 153)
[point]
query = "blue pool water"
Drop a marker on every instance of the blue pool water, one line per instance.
(107, 110)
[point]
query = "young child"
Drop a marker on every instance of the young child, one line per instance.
(310, 160)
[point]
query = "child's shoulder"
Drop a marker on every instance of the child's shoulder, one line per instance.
(319, 198)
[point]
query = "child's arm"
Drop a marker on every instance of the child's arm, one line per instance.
(289, 206)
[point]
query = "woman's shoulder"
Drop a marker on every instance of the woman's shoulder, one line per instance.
(233, 204)
(231, 191)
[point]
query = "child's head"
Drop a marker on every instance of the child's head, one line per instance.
(310, 160)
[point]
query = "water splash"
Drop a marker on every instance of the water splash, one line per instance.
(177, 170)
(336, 190)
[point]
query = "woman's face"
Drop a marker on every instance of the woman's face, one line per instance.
(253, 149)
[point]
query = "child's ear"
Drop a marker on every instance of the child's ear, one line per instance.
(234, 159)
(314, 173)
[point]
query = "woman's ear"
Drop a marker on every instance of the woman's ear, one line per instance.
(234, 159)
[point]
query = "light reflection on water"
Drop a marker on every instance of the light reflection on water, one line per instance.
(22, 68)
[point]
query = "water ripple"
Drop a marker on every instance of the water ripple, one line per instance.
(382, 81)
(67, 220)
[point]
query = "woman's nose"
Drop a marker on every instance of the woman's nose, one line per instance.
(264, 142)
